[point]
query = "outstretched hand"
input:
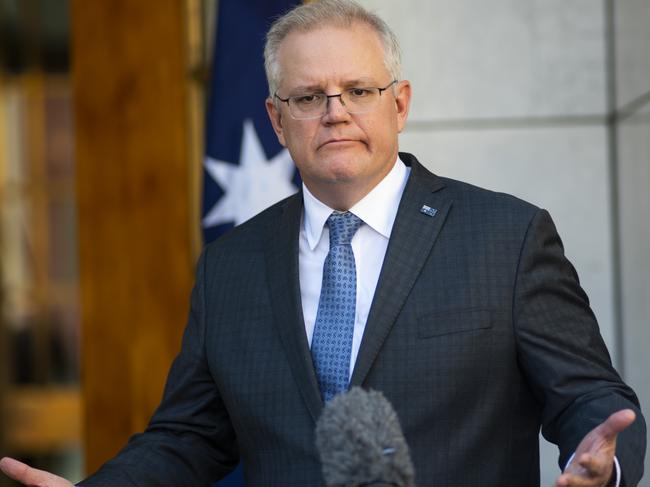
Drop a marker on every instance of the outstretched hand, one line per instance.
(593, 463)
(27, 475)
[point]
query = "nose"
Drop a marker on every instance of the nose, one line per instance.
(336, 110)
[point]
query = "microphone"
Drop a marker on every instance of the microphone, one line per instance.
(360, 442)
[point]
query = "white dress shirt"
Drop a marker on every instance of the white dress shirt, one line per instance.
(377, 210)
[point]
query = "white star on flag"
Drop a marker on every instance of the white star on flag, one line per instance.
(253, 185)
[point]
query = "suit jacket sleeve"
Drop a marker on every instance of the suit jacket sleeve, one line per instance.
(190, 439)
(563, 355)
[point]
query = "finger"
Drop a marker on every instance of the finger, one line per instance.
(23, 473)
(594, 466)
(13, 468)
(572, 474)
(567, 480)
(616, 423)
(570, 480)
(562, 481)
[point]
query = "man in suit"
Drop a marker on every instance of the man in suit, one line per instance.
(457, 303)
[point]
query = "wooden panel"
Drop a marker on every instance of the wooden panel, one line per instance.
(129, 72)
(43, 419)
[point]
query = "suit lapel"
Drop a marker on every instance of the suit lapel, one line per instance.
(412, 238)
(284, 286)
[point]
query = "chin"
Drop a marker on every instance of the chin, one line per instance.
(343, 171)
(344, 161)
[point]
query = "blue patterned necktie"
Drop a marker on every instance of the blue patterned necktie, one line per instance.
(332, 340)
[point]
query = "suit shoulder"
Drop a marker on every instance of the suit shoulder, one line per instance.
(253, 234)
(474, 197)
(467, 196)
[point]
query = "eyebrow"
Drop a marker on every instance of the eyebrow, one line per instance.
(317, 88)
(306, 89)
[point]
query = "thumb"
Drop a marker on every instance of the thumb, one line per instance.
(616, 423)
(27, 475)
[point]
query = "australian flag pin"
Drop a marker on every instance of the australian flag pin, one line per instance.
(427, 210)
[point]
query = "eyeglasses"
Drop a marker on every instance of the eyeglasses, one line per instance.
(314, 105)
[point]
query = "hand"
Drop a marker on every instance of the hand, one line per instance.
(593, 463)
(27, 475)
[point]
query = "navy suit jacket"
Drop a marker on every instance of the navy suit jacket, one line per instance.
(479, 333)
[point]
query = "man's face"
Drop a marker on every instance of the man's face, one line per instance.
(340, 156)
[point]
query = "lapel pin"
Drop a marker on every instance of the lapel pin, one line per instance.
(427, 210)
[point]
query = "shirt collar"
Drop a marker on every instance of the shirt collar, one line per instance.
(377, 209)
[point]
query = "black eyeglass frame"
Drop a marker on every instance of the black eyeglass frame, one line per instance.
(327, 97)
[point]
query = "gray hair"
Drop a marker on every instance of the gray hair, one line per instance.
(309, 16)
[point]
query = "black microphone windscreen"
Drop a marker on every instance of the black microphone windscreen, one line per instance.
(360, 442)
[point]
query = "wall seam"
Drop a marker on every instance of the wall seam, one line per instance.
(612, 144)
(632, 107)
(507, 123)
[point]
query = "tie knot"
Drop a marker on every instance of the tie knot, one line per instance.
(342, 227)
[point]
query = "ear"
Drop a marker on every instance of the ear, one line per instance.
(402, 102)
(276, 120)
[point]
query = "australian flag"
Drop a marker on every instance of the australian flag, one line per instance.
(245, 168)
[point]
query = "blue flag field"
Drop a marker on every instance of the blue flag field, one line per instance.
(245, 169)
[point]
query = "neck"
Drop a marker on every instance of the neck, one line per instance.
(342, 195)
(339, 196)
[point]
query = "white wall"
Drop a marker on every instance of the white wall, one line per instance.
(632, 23)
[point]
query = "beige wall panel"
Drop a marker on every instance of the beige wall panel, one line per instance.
(632, 27)
(634, 181)
(503, 58)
